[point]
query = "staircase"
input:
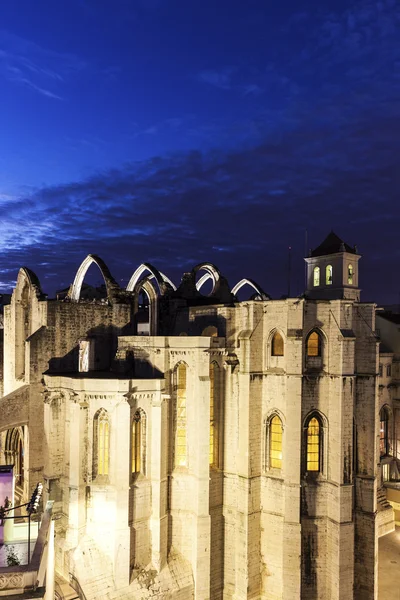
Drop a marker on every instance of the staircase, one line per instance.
(385, 516)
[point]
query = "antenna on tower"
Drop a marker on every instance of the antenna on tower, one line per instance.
(305, 255)
(289, 268)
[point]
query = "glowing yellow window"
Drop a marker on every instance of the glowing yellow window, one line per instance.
(136, 443)
(275, 443)
(213, 448)
(277, 345)
(313, 445)
(316, 276)
(328, 274)
(103, 444)
(314, 344)
(180, 437)
(350, 274)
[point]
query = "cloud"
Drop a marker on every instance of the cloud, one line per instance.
(221, 79)
(26, 63)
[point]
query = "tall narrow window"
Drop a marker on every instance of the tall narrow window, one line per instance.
(101, 443)
(328, 273)
(316, 276)
(314, 344)
(180, 436)
(136, 443)
(384, 431)
(275, 443)
(277, 344)
(313, 445)
(212, 414)
(350, 274)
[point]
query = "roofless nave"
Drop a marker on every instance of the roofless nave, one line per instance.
(230, 453)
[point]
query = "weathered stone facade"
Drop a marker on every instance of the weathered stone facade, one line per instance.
(231, 454)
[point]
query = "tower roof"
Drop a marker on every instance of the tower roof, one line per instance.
(332, 244)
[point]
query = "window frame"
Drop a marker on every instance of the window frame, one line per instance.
(329, 275)
(182, 420)
(385, 438)
(138, 443)
(322, 441)
(101, 451)
(316, 276)
(274, 351)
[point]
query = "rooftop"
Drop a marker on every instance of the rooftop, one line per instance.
(332, 244)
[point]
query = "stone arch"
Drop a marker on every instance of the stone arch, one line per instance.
(149, 289)
(14, 454)
(139, 442)
(322, 441)
(268, 437)
(112, 286)
(212, 272)
(27, 289)
(163, 282)
(276, 331)
(262, 295)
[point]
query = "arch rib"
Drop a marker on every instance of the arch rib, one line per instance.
(111, 285)
(163, 281)
(252, 284)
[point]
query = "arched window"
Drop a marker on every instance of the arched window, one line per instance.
(214, 412)
(384, 431)
(316, 276)
(101, 443)
(328, 275)
(277, 347)
(313, 444)
(138, 442)
(350, 274)
(14, 453)
(180, 434)
(314, 345)
(275, 443)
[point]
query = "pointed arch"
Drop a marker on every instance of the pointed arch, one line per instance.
(328, 275)
(180, 454)
(215, 408)
(14, 452)
(211, 272)
(163, 282)
(112, 286)
(277, 344)
(101, 443)
(262, 295)
(316, 276)
(139, 442)
(314, 439)
(314, 344)
(384, 431)
(350, 274)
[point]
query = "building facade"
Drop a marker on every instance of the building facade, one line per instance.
(231, 453)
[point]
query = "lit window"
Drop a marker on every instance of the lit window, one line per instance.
(313, 445)
(316, 276)
(277, 345)
(102, 430)
(137, 443)
(384, 431)
(328, 275)
(275, 443)
(314, 344)
(180, 436)
(350, 274)
(213, 449)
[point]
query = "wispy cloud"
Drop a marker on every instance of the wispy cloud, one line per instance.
(28, 64)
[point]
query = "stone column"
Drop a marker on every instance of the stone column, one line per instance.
(121, 467)
(159, 481)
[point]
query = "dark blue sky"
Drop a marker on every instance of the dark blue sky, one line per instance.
(174, 132)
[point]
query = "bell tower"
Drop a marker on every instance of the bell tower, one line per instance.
(332, 270)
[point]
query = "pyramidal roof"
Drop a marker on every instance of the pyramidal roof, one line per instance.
(332, 244)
